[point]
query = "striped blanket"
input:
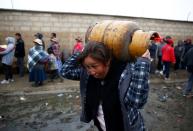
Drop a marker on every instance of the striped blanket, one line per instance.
(36, 54)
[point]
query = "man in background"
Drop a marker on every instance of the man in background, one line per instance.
(20, 53)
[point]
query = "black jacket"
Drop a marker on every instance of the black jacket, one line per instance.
(107, 90)
(93, 91)
(20, 48)
(97, 91)
(188, 60)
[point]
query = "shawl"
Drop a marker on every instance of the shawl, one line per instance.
(36, 54)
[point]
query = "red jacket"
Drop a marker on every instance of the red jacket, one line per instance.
(78, 47)
(168, 54)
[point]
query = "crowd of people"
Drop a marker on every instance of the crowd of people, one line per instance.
(164, 54)
(112, 91)
(40, 60)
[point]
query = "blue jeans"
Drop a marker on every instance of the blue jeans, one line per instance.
(20, 64)
(189, 85)
(166, 69)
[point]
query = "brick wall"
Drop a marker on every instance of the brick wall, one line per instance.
(68, 25)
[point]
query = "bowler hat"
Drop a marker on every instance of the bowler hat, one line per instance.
(38, 41)
(54, 40)
(78, 38)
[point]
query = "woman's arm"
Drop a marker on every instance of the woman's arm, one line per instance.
(71, 69)
(137, 92)
(7, 50)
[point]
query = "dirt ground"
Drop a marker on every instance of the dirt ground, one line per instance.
(56, 106)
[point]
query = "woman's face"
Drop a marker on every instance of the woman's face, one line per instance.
(95, 67)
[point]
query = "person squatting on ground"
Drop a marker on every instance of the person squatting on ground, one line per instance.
(7, 60)
(188, 61)
(20, 53)
(112, 92)
(168, 57)
(37, 58)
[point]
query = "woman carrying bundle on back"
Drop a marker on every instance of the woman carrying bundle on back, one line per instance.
(112, 91)
(37, 58)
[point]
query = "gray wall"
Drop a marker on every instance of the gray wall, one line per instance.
(68, 25)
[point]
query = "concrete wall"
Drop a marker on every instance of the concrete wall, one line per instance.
(68, 25)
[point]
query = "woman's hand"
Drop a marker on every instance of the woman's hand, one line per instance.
(146, 54)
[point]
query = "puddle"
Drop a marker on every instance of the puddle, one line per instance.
(54, 112)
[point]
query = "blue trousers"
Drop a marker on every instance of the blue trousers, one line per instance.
(189, 85)
(166, 69)
(20, 64)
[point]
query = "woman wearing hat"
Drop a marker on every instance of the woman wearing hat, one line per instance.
(37, 57)
(40, 36)
(55, 48)
(78, 47)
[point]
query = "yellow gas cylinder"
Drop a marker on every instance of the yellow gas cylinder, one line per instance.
(140, 42)
(124, 38)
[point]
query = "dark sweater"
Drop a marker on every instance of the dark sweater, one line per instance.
(106, 92)
(19, 49)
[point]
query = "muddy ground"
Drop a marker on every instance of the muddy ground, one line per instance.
(166, 109)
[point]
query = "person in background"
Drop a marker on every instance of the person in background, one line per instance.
(37, 58)
(53, 35)
(153, 53)
(160, 45)
(40, 36)
(188, 60)
(20, 53)
(168, 57)
(7, 60)
(187, 46)
(179, 51)
(78, 47)
(53, 67)
(112, 91)
(55, 47)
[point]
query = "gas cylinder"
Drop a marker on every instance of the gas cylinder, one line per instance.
(125, 38)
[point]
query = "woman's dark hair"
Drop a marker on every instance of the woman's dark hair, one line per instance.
(97, 51)
(18, 34)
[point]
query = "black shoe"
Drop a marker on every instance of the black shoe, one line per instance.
(40, 83)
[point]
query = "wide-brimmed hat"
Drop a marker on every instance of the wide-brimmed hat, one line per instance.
(54, 40)
(78, 38)
(38, 41)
